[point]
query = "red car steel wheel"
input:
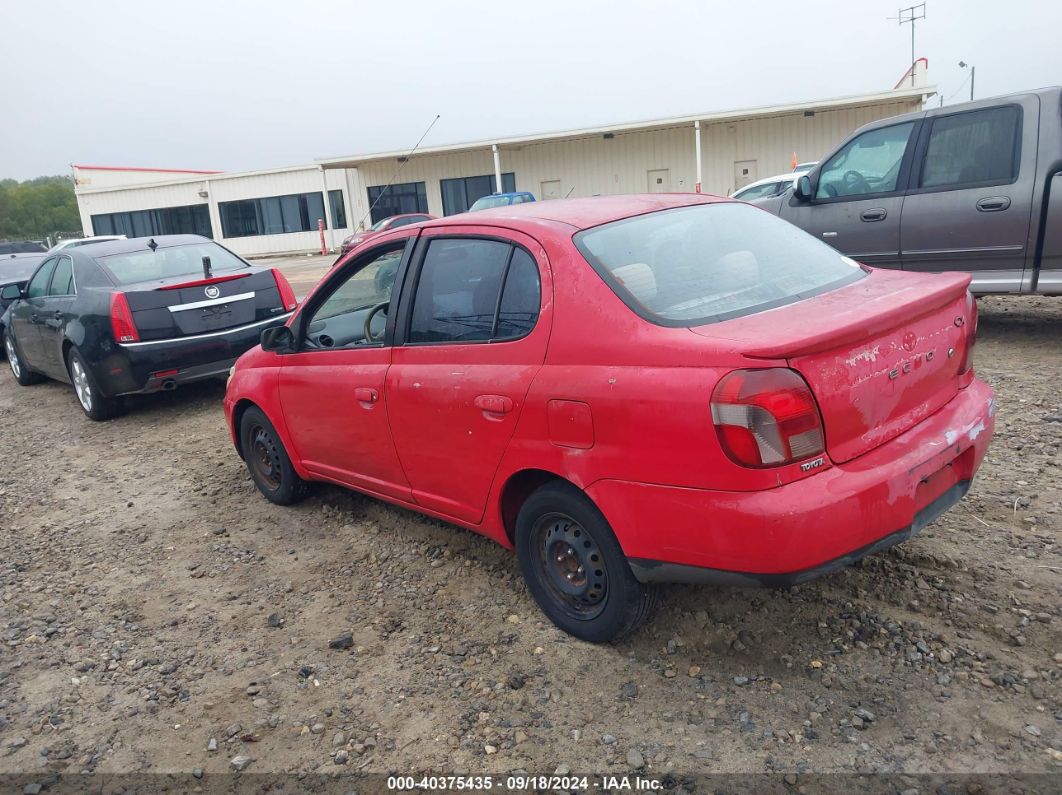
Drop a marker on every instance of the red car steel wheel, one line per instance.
(265, 458)
(570, 565)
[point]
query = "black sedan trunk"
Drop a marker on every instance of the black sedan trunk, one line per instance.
(182, 308)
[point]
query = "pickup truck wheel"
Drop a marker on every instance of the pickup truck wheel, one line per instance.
(24, 376)
(94, 403)
(268, 461)
(575, 568)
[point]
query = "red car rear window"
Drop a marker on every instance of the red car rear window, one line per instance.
(709, 262)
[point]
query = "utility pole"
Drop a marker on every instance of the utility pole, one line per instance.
(911, 15)
(973, 70)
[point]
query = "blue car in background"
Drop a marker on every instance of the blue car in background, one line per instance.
(501, 200)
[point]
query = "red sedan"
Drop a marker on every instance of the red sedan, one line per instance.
(381, 226)
(626, 390)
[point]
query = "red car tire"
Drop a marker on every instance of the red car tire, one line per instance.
(268, 461)
(575, 568)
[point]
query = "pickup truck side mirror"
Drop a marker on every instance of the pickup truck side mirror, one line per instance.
(11, 292)
(802, 189)
(278, 339)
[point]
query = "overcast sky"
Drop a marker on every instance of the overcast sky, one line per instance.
(233, 85)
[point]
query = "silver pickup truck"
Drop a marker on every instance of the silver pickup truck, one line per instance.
(975, 187)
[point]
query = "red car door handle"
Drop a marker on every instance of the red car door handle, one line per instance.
(364, 394)
(495, 404)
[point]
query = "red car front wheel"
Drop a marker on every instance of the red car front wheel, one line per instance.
(268, 461)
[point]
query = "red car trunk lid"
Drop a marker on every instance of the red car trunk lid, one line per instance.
(879, 355)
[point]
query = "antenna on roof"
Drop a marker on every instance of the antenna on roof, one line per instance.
(152, 245)
(908, 16)
(401, 164)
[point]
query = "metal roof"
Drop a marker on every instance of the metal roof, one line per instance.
(767, 111)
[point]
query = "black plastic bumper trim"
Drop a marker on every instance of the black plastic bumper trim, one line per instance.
(646, 570)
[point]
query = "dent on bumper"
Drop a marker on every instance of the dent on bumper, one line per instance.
(805, 528)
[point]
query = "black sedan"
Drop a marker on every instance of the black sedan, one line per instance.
(137, 316)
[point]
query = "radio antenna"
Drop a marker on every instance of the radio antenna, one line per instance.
(401, 164)
(908, 16)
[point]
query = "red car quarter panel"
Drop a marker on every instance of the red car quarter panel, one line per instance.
(796, 528)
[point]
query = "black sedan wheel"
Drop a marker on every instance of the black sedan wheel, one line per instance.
(95, 404)
(268, 461)
(575, 568)
(22, 374)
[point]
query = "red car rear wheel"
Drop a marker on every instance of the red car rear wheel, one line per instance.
(575, 568)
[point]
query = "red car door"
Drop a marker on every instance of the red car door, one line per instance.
(332, 390)
(472, 340)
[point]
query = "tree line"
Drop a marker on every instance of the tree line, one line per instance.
(37, 208)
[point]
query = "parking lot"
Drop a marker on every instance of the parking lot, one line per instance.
(159, 615)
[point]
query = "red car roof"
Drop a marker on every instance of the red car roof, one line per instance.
(579, 213)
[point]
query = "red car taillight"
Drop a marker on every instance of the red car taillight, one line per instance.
(287, 295)
(766, 418)
(966, 363)
(122, 320)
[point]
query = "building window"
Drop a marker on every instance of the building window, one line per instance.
(459, 194)
(191, 219)
(273, 215)
(388, 200)
(339, 210)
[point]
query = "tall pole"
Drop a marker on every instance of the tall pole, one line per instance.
(697, 146)
(912, 55)
(497, 169)
(973, 71)
(330, 222)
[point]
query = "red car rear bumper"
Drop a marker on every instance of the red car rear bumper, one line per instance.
(802, 530)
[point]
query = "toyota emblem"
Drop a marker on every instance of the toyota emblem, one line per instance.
(909, 340)
(212, 291)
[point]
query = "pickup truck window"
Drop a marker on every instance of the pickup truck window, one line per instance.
(869, 163)
(973, 147)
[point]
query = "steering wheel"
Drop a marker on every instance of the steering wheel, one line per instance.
(369, 336)
(854, 182)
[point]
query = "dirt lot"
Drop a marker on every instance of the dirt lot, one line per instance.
(155, 607)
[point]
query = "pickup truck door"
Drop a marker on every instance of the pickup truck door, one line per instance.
(969, 204)
(858, 195)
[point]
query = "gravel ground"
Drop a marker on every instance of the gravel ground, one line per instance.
(158, 615)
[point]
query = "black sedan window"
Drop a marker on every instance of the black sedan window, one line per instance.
(63, 280)
(39, 283)
(166, 262)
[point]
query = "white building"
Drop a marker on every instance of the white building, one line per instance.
(253, 212)
(277, 210)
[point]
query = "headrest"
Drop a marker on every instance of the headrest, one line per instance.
(639, 279)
